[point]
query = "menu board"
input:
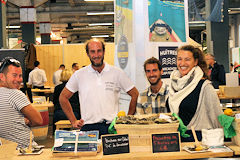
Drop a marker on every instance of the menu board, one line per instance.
(115, 144)
(167, 142)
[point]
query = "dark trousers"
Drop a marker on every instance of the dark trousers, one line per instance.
(40, 93)
(101, 127)
(42, 87)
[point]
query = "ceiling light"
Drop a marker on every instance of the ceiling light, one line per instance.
(100, 24)
(12, 26)
(99, 0)
(99, 13)
(97, 36)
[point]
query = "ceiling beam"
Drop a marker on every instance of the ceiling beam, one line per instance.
(72, 3)
(38, 3)
(21, 3)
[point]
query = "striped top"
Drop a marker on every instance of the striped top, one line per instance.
(12, 125)
(150, 103)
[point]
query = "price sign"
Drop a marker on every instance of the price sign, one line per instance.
(115, 144)
(168, 142)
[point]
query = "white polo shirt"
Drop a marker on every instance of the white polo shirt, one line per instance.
(37, 77)
(56, 77)
(99, 92)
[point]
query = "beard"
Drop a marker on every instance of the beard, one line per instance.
(97, 64)
(154, 83)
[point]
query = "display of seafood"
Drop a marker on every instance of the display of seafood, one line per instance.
(146, 119)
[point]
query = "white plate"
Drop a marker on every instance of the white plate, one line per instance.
(191, 150)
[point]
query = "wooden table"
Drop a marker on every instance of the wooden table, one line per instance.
(47, 91)
(47, 155)
(47, 104)
(63, 124)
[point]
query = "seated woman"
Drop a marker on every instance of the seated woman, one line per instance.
(74, 100)
(191, 95)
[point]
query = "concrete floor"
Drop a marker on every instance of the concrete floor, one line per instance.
(49, 141)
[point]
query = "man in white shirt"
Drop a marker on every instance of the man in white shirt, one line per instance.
(75, 67)
(57, 75)
(37, 77)
(98, 85)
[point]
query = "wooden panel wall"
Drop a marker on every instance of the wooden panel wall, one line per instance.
(109, 53)
(51, 56)
(75, 53)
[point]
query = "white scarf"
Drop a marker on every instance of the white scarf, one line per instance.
(181, 87)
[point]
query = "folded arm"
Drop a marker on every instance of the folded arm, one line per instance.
(32, 116)
(134, 95)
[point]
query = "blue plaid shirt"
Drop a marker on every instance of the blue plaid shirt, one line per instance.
(150, 103)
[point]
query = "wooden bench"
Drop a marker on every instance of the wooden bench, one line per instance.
(63, 124)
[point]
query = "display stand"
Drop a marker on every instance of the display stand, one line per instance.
(75, 143)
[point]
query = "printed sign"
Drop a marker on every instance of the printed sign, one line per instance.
(115, 144)
(168, 59)
(168, 142)
(167, 22)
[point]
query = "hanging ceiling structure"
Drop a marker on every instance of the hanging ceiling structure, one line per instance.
(69, 18)
(73, 19)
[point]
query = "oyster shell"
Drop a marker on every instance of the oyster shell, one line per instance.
(144, 119)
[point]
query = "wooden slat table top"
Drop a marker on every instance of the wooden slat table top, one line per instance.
(47, 104)
(47, 155)
(63, 124)
(234, 147)
(43, 90)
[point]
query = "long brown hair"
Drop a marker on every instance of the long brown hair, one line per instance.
(197, 55)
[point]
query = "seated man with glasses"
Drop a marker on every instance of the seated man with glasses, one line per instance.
(17, 113)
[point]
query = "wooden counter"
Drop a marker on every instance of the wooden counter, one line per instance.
(234, 147)
(47, 155)
(226, 92)
(224, 97)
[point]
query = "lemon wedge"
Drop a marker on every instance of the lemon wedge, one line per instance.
(121, 114)
(228, 112)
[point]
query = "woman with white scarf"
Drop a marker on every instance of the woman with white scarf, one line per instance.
(191, 95)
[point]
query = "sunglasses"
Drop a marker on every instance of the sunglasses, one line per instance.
(8, 61)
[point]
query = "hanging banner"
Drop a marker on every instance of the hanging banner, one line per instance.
(123, 20)
(166, 21)
(168, 59)
(123, 30)
(124, 52)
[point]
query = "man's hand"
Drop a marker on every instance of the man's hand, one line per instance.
(27, 122)
(78, 123)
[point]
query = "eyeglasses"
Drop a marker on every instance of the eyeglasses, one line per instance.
(8, 61)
